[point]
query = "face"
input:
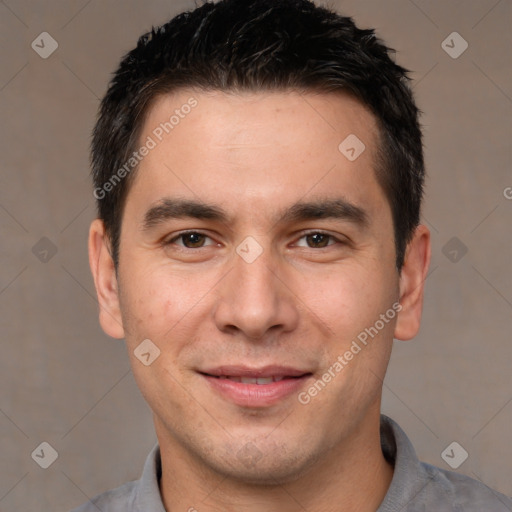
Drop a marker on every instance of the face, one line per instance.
(259, 258)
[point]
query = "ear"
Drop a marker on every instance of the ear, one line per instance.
(411, 284)
(105, 280)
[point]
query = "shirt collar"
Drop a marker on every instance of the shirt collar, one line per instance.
(148, 495)
(409, 477)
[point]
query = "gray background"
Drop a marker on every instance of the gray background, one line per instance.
(64, 382)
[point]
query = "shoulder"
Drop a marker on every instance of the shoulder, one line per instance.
(141, 495)
(464, 494)
(420, 487)
(116, 500)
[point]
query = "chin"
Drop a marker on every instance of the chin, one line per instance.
(264, 475)
(271, 466)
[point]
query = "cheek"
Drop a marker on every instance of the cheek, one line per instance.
(146, 302)
(156, 300)
(351, 298)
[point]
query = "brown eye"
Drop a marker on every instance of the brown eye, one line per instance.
(318, 240)
(192, 240)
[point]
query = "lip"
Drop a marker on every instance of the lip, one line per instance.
(255, 395)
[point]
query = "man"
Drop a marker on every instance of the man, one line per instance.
(259, 172)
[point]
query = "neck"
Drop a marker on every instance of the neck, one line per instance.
(353, 476)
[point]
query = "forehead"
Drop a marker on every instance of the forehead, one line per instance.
(270, 147)
(241, 119)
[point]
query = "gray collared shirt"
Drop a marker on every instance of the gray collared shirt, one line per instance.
(415, 487)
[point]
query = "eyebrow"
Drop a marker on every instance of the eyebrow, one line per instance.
(169, 208)
(173, 208)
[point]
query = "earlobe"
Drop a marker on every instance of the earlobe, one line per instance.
(411, 284)
(105, 280)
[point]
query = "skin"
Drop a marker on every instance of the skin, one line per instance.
(300, 303)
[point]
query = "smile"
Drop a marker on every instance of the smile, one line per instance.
(252, 380)
(255, 388)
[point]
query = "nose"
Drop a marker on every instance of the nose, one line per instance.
(255, 299)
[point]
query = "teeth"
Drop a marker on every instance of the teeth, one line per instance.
(249, 380)
(254, 380)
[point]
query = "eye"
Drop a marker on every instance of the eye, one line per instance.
(190, 240)
(317, 240)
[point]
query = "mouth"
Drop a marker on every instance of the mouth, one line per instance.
(255, 387)
(261, 381)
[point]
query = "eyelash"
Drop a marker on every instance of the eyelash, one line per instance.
(304, 234)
